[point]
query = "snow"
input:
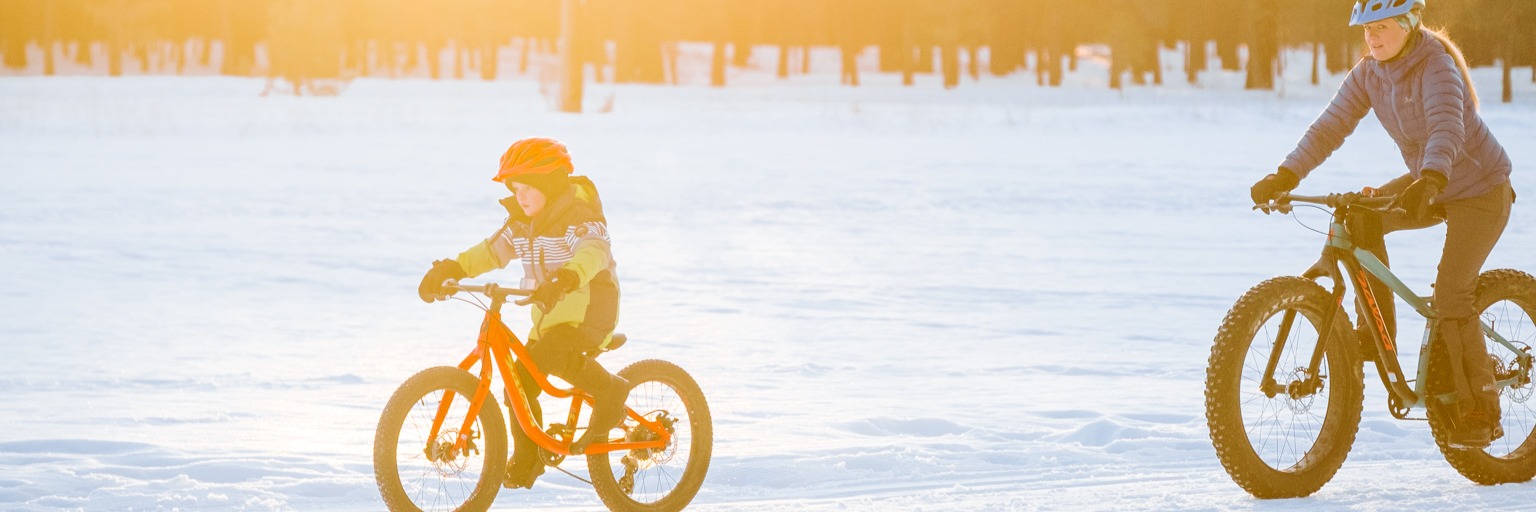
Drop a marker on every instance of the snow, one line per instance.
(998, 297)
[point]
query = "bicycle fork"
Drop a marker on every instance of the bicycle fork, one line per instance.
(1327, 265)
(1387, 366)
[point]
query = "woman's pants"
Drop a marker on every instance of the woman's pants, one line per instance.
(1472, 227)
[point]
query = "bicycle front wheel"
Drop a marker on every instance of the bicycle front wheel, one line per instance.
(417, 471)
(1507, 300)
(666, 479)
(1289, 439)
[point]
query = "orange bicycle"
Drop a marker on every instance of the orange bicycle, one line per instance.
(441, 442)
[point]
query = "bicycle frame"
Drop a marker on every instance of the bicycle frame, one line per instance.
(498, 341)
(1340, 251)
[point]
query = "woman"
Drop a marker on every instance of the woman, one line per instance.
(1416, 81)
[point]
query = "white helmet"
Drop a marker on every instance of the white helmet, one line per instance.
(1367, 11)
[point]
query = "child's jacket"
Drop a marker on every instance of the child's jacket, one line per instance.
(569, 233)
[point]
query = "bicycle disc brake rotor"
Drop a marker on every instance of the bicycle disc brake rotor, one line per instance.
(1522, 389)
(640, 434)
(444, 458)
(1297, 397)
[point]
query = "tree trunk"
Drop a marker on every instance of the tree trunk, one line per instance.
(1040, 67)
(1054, 71)
(489, 61)
(850, 65)
(950, 65)
(1195, 62)
(1005, 58)
(1264, 50)
(570, 60)
(1226, 51)
(458, 61)
(179, 56)
(392, 62)
(1508, 79)
(669, 54)
(84, 50)
(523, 54)
(364, 51)
(783, 71)
(435, 61)
(1117, 67)
(908, 63)
(114, 59)
(973, 64)
(741, 54)
(717, 66)
(49, 66)
(1316, 54)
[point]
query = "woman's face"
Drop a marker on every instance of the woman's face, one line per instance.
(1385, 38)
(528, 197)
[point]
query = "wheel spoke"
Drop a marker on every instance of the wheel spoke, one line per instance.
(451, 480)
(1281, 429)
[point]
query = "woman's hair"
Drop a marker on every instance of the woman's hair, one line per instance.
(1461, 61)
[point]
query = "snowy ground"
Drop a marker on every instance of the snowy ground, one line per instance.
(999, 297)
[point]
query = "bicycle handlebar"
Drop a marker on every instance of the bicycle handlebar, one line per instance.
(492, 290)
(1282, 204)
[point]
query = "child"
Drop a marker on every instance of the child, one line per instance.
(556, 228)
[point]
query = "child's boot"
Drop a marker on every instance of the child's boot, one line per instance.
(609, 392)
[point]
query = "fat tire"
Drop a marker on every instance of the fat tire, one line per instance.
(1223, 407)
(493, 439)
(701, 431)
(1519, 465)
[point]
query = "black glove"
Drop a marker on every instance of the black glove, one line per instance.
(442, 270)
(562, 282)
(1270, 188)
(1415, 200)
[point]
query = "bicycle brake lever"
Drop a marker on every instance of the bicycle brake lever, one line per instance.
(1276, 207)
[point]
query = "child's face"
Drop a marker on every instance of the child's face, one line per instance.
(528, 197)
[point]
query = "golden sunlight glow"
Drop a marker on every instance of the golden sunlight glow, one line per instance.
(634, 41)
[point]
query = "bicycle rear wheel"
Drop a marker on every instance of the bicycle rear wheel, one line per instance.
(1289, 443)
(1507, 300)
(418, 472)
(668, 478)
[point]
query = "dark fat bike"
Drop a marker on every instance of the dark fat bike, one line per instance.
(1283, 389)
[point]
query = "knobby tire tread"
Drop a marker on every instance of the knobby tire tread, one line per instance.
(1223, 394)
(1478, 466)
(493, 440)
(701, 430)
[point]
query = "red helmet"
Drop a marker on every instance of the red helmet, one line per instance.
(534, 155)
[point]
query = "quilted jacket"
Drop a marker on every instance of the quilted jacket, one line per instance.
(1423, 102)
